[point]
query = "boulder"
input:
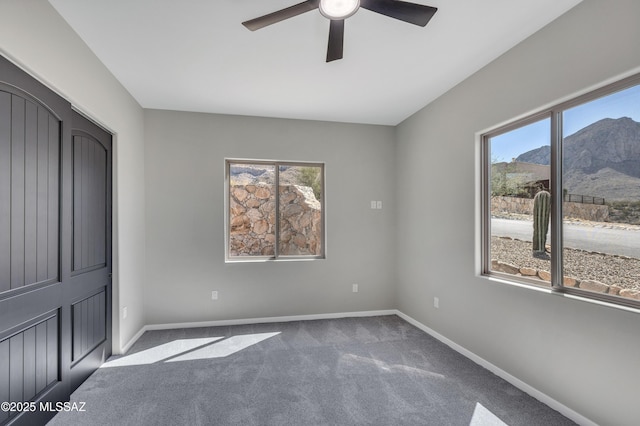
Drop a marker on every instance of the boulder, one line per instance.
(544, 275)
(630, 294)
(593, 285)
(262, 192)
(615, 290)
(261, 227)
(239, 193)
(498, 266)
(528, 272)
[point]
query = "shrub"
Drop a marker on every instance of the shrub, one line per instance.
(310, 176)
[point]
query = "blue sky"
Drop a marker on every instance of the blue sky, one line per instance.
(621, 104)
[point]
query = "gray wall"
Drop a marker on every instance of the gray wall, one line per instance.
(582, 354)
(185, 155)
(36, 38)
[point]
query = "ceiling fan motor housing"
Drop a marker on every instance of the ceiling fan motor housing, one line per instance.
(338, 9)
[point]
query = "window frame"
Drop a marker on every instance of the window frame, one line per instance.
(486, 192)
(555, 112)
(276, 256)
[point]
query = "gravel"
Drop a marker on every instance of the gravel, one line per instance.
(584, 265)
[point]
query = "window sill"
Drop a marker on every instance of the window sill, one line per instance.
(560, 293)
(271, 259)
(598, 302)
(522, 284)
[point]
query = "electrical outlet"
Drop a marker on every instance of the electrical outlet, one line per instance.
(124, 312)
(379, 205)
(214, 295)
(354, 288)
(436, 302)
(374, 204)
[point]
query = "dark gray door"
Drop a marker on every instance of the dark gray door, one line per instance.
(48, 299)
(90, 282)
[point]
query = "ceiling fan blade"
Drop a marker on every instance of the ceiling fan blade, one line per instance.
(412, 13)
(336, 40)
(281, 15)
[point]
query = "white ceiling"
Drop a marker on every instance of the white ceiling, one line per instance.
(194, 55)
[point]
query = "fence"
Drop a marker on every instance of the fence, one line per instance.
(584, 199)
(592, 212)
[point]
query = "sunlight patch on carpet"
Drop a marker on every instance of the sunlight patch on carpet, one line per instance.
(483, 417)
(161, 352)
(225, 347)
(190, 349)
(350, 360)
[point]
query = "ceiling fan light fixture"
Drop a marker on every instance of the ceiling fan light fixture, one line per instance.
(338, 9)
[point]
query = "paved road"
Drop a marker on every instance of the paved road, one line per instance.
(603, 240)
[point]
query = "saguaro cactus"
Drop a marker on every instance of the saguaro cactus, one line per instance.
(541, 214)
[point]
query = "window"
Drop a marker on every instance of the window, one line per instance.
(586, 153)
(275, 210)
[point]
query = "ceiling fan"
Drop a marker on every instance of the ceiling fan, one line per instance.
(338, 10)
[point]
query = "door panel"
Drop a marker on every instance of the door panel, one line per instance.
(51, 288)
(89, 325)
(32, 356)
(5, 192)
(90, 283)
(29, 193)
(89, 203)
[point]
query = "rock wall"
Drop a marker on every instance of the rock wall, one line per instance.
(253, 220)
(592, 212)
(545, 279)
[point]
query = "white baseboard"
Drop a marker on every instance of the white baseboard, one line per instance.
(540, 396)
(127, 346)
(218, 323)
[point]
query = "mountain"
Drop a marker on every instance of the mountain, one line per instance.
(602, 160)
(608, 143)
(540, 155)
(606, 183)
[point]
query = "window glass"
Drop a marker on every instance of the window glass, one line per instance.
(519, 180)
(300, 219)
(601, 191)
(252, 209)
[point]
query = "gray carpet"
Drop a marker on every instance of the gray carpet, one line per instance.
(351, 371)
